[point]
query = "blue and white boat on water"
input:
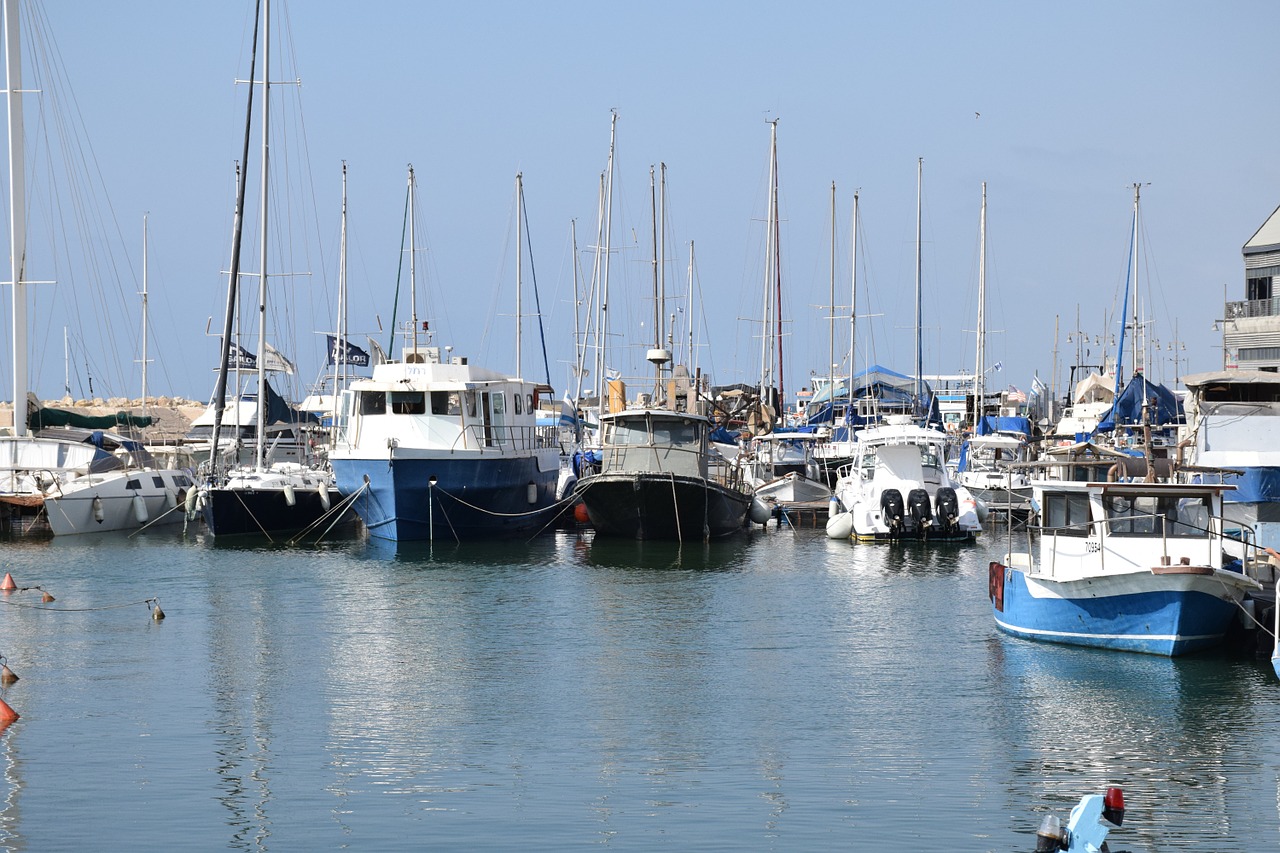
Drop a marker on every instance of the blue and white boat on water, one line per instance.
(1136, 566)
(432, 447)
(434, 450)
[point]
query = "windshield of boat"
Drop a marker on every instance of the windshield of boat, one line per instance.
(1155, 515)
(642, 432)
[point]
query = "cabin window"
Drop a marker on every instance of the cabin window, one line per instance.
(518, 400)
(373, 402)
(408, 402)
(629, 433)
(1151, 515)
(471, 404)
(446, 403)
(133, 484)
(531, 406)
(672, 433)
(1067, 513)
(158, 482)
(499, 403)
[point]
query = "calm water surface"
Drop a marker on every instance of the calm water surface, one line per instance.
(783, 692)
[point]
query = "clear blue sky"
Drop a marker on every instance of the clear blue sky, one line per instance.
(1077, 102)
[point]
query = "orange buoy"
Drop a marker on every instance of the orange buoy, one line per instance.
(46, 598)
(580, 513)
(7, 585)
(7, 714)
(7, 676)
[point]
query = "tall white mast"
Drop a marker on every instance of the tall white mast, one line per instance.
(831, 317)
(1137, 346)
(919, 350)
(340, 333)
(519, 265)
(853, 302)
(260, 452)
(980, 363)
(602, 325)
(413, 260)
(766, 335)
(144, 314)
(17, 215)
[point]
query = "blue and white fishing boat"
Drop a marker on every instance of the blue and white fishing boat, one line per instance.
(1136, 566)
(433, 447)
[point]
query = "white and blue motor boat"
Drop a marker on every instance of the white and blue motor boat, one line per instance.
(428, 449)
(1136, 566)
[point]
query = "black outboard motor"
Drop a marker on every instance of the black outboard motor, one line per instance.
(892, 511)
(946, 513)
(920, 510)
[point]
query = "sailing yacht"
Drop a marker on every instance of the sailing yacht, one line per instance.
(82, 477)
(264, 497)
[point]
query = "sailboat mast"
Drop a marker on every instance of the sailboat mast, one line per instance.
(340, 333)
(919, 349)
(17, 215)
(662, 256)
(519, 264)
(980, 363)
(831, 316)
(603, 325)
(693, 362)
(261, 446)
(853, 302)
(144, 314)
(766, 334)
(657, 306)
(777, 284)
(1138, 348)
(233, 283)
(413, 261)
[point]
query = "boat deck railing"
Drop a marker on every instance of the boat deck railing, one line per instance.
(1214, 534)
(675, 460)
(483, 437)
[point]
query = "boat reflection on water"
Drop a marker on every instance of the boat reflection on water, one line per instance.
(727, 554)
(1079, 718)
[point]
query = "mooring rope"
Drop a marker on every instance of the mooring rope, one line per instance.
(147, 601)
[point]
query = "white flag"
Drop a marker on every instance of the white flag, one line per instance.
(275, 361)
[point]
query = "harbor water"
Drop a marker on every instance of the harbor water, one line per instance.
(780, 691)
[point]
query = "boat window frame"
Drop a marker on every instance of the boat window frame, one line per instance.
(372, 402)
(1076, 513)
(401, 402)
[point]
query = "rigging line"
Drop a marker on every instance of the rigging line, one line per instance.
(335, 512)
(395, 302)
(533, 274)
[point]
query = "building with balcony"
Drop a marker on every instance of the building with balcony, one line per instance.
(1251, 328)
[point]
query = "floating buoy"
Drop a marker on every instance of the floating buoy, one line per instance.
(840, 525)
(580, 513)
(156, 613)
(7, 585)
(97, 509)
(7, 714)
(139, 508)
(7, 676)
(289, 497)
(47, 598)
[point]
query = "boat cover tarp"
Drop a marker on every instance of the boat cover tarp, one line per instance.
(44, 418)
(992, 424)
(1126, 410)
(895, 391)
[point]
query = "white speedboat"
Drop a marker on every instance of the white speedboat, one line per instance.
(898, 488)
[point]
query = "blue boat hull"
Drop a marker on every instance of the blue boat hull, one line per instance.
(1155, 614)
(470, 499)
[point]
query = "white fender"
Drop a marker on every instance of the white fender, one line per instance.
(139, 508)
(840, 525)
(289, 497)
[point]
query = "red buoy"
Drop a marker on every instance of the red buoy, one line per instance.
(7, 714)
(580, 514)
(7, 676)
(7, 585)
(46, 598)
